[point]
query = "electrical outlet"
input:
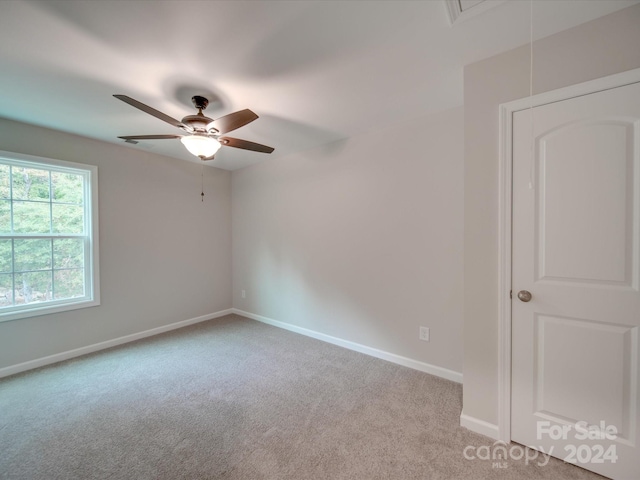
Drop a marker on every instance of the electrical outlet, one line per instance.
(424, 333)
(244, 294)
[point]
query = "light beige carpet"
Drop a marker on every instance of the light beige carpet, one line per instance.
(235, 399)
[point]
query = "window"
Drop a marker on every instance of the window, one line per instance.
(48, 236)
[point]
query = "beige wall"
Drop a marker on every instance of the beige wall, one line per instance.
(164, 255)
(603, 47)
(360, 239)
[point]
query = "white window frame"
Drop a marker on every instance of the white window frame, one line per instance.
(91, 260)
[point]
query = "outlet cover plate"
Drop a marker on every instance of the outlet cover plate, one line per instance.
(424, 334)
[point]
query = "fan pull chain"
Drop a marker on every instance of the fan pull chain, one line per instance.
(202, 183)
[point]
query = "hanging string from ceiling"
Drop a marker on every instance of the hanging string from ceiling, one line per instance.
(532, 133)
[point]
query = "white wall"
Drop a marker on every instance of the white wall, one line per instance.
(164, 255)
(602, 47)
(360, 239)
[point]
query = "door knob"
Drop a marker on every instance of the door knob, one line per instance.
(524, 296)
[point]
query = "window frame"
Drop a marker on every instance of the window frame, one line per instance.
(91, 253)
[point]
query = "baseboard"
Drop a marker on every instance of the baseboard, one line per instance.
(390, 357)
(479, 426)
(58, 357)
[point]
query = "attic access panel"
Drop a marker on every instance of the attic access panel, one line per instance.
(461, 10)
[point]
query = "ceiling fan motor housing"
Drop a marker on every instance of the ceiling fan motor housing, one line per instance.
(198, 122)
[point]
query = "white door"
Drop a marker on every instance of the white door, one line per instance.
(576, 241)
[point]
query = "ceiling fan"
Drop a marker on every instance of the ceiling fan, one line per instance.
(203, 134)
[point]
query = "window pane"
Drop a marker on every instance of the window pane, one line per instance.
(6, 290)
(30, 184)
(5, 192)
(68, 218)
(68, 253)
(46, 252)
(33, 287)
(67, 187)
(32, 254)
(69, 283)
(5, 216)
(5, 256)
(30, 217)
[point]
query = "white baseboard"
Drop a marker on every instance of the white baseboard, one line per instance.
(58, 357)
(390, 357)
(479, 426)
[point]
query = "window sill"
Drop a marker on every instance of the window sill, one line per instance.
(47, 309)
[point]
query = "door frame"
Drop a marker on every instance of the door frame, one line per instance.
(505, 207)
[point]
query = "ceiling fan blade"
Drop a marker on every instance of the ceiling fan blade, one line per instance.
(232, 121)
(245, 145)
(149, 137)
(151, 111)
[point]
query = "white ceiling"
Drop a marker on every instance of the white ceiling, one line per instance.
(314, 71)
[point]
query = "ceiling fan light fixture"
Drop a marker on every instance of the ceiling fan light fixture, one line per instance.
(200, 145)
(202, 132)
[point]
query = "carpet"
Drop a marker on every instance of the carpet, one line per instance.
(232, 398)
